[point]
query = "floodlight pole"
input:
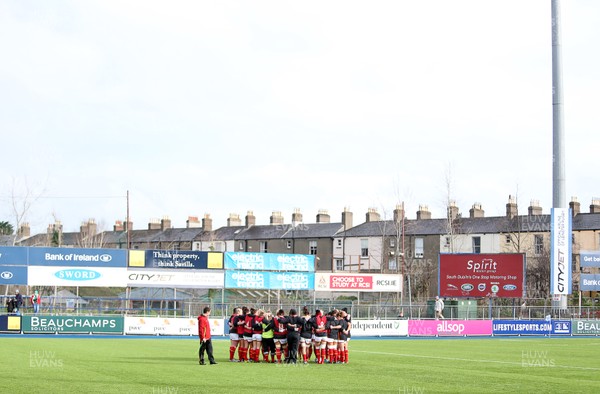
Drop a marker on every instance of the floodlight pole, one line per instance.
(558, 134)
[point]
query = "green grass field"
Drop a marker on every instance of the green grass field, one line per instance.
(151, 365)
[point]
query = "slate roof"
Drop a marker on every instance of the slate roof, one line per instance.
(485, 225)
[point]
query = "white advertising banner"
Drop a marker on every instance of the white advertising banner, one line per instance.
(169, 326)
(358, 282)
(560, 252)
(38, 275)
(364, 328)
(206, 279)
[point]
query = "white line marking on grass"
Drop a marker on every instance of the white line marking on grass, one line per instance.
(471, 360)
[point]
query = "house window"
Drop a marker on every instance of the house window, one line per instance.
(339, 243)
(289, 244)
(241, 245)
(538, 244)
(419, 248)
(392, 242)
(339, 264)
(447, 242)
(507, 239)
(393, 266)
(312, 247)
(364, 248)
(476, 244)
(263, 246)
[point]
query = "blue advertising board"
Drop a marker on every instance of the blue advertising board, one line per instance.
(589, 258)
(589, 282)
(269, 261)
(13, 275)
(13, 255)
(246, 280)
(177, 259)
(269, 280)
(521, 327)
(291, 281)
(76, 257)
(561, 327)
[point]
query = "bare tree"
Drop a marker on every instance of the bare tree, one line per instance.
(22, 199)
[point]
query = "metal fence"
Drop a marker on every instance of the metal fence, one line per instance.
(456, 310)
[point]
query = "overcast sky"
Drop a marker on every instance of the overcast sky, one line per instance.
(223, 107)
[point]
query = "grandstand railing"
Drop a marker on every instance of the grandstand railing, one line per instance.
(539, 309)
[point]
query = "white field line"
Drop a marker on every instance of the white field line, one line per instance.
(471, 360)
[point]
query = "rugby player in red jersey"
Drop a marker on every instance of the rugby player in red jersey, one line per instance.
(233, 334)
(348, 319)
(280, 334)
(319, 323)
(257, 335)
(306, 334)
(239, 322)
(342, 339)
(248, 322)
(333, 327)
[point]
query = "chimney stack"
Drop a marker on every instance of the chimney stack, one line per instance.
(575, 206)
(452, 210)
(323, 216)
(372, 215)
(511, 207)
(423, 212)
(250, 219)
(234, 220)
(595, 206)
(88, 228)
(193, 222)
(165, 223)
(399, 213)
(206, 222)
(476, 211)
(347, 218)
(118, 226)
(534, 208)
(24, 231)
(296, 216)
(154, 224)
(128, 225)
(276, 218)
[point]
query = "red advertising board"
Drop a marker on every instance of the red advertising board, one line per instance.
(482, 275)
(353, 282)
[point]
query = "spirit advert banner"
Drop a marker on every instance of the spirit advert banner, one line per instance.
(482, 275)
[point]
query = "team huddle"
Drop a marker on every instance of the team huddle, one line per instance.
(253, 332)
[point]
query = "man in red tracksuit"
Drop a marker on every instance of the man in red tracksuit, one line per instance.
(204, 334)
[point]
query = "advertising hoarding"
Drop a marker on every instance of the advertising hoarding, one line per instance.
(169, 326)
(198, 279)
(77, 257)
(585, 327)
(13, 275)
(560, 252)
(76, 276)
(532, 327)
(269, 261)
(358, 282)
(589, 258)
(175, 259)
(449, 327)
(589, 282)
(269, 280)
(72, 324)
(363, 328)
(10, 323)
(13, 255)
(482, 275)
